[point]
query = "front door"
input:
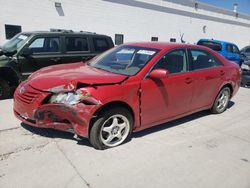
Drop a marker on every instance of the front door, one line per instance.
(46, 51)
(168, 97)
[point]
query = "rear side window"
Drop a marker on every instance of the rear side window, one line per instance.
(232, 48)
(45, 45)
(101, 44)
(235, 49)
(76, 44)
(174, 61)
(203, 60)
(212, 45)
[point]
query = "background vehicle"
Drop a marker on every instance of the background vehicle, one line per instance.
(30, 51)
(128, 88)
(245, 75)
(245, 52)
(227, 49)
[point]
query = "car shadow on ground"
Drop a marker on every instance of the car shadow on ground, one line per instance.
(247, 87)
(51, 133)
(177, 122)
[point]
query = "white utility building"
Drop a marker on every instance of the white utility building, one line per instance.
(127, 20)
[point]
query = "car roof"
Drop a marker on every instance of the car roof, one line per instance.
(217, 41)
(164, 45)
(62, 33)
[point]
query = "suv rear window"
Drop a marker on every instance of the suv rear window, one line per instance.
(213, 45)
(101, 44)
(76, 44)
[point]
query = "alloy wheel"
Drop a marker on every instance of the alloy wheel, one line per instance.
(114, 130)
(223, 100)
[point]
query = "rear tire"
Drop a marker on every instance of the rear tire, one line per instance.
(111, 128)
(221, 101)
(4, 89)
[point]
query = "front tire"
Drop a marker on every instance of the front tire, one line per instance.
(4, 89)
(112, 128)
(221, 101)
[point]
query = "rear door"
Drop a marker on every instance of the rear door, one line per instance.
(168, 97)
(208, 73)
(233, 53)
(76, 48)
(101, 44)
(46, 51)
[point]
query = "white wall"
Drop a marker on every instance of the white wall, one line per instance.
(138, 23)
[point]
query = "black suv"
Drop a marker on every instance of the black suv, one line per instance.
(30, 51)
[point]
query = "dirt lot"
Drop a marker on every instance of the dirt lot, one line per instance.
(201, 150)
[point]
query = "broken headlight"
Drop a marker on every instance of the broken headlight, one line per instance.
(67, 98)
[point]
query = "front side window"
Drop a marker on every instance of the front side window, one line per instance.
(101, 44)
(76, 44)
(45, 45)
(203, 60)
(174, 61)
(229, 48)
(126, 60)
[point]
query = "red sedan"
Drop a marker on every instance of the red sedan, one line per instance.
(128, 88)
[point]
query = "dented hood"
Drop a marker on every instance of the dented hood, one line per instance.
(74, 73)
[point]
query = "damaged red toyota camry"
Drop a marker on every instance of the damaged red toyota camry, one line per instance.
(128, 88)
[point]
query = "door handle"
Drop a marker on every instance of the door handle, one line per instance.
(87, 58)
(222, 72)
(56, 59)
(188, 80)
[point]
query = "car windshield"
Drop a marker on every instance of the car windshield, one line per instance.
(126, 60)
(14, 43)
(213, 45)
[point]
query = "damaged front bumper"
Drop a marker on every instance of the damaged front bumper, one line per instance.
(74, 119)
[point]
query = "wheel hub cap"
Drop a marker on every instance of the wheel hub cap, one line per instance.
(114, 130)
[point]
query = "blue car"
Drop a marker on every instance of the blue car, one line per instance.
(226, 49)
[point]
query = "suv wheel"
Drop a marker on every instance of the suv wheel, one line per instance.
(221, 101)
(111, 129)
(4, 89)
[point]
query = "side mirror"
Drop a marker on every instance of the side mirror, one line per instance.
(159, 74)
(26, 52)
